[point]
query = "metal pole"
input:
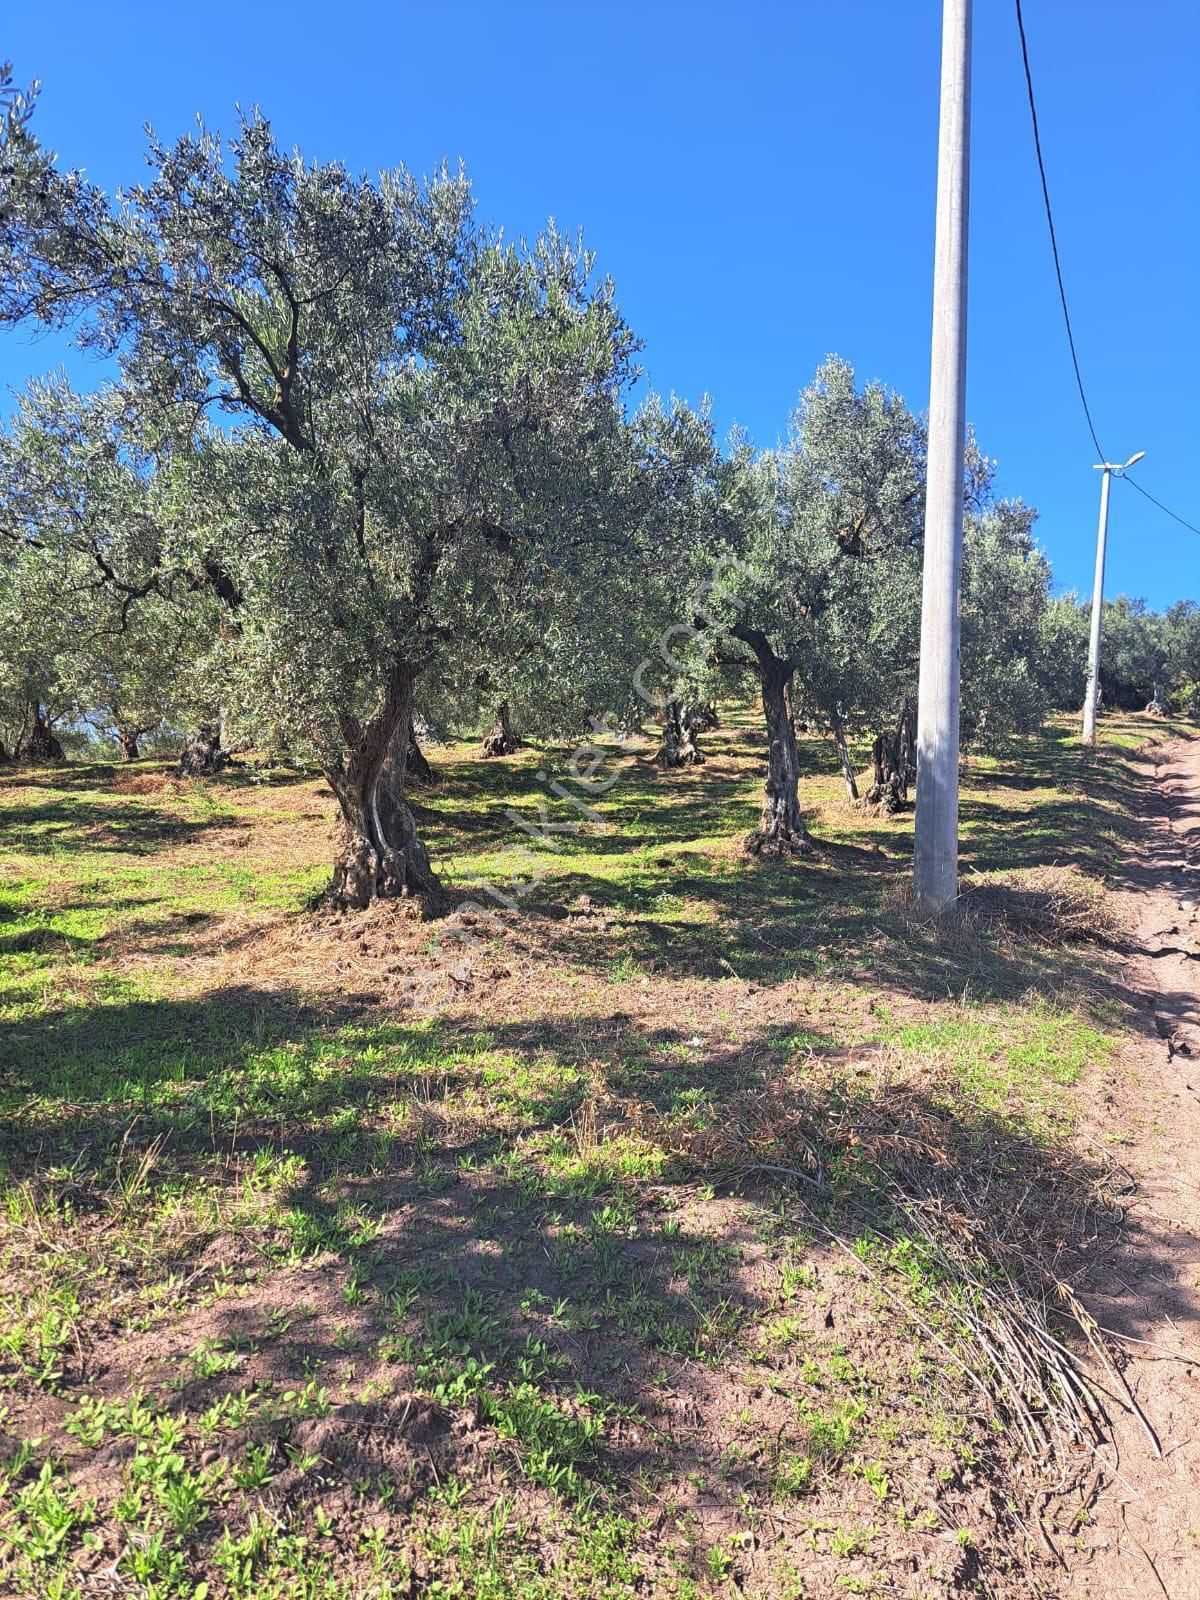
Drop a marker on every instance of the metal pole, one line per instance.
(1093, 678)
(935, 865)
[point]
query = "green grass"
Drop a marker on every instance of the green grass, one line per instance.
(304, 1293)
(1013, 1060)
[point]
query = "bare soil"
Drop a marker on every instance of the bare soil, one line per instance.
(1144, 1539)
(722, 1338)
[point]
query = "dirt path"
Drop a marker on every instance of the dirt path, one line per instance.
(1143, 1537)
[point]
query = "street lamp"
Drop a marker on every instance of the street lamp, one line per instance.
(1093, 677)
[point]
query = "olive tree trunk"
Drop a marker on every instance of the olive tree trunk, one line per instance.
(782, 829)
(843, 751)
(203, 756)
(894, 759)
(681, 723)
(501, 740)
(40, 745)
(416, 763)
(383, 857)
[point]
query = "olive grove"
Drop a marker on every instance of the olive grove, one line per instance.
(408, 453)
(366, 468)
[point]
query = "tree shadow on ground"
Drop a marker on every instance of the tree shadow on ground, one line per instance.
(72, 1075)
(98, 808)
(562, 1206)
(840, 912)
(51, 827)
(40, 939)
(651, 807)
(771, 924)
(273, 1070)
(436, 1192)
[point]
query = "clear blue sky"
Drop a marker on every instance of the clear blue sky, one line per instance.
(758, 177)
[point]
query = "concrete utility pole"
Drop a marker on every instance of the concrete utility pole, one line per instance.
(935, 866)
(1092, 695)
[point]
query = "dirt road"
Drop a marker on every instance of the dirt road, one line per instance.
(1143, 1535)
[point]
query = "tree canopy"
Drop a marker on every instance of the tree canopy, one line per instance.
(365, 458)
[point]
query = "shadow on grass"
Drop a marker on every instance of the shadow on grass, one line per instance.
(80, 809)
(243, 1069)
(69, 826)
(560, 1207)
(571, 1203)
(772, 924)
(41, 940)
(1052, 801)
(183, 1062)
(667, 910)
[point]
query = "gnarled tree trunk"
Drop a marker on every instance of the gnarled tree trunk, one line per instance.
(383, 857)
(680, 725)
(203, 756)
(129, 744)
(894, 758)
(40, 745)
(782, 830)
(501, 740)
(839, 739)
(416, 765)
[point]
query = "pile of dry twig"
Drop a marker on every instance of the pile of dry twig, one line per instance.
(1052, 905)
(993, 1230)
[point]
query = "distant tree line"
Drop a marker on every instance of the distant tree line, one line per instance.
(1143, 652)
(368, 468)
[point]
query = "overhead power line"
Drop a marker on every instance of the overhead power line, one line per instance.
(1174, 515)
(1062, 293)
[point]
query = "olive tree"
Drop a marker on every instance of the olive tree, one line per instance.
(862, 454)
(1180, 635)
(1063, 652)
(825, 533)
(560, 658)
(35, 668)
(93, 612)
(423, 450)
(140, 673)
(1133, 653)
(1005, 596)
